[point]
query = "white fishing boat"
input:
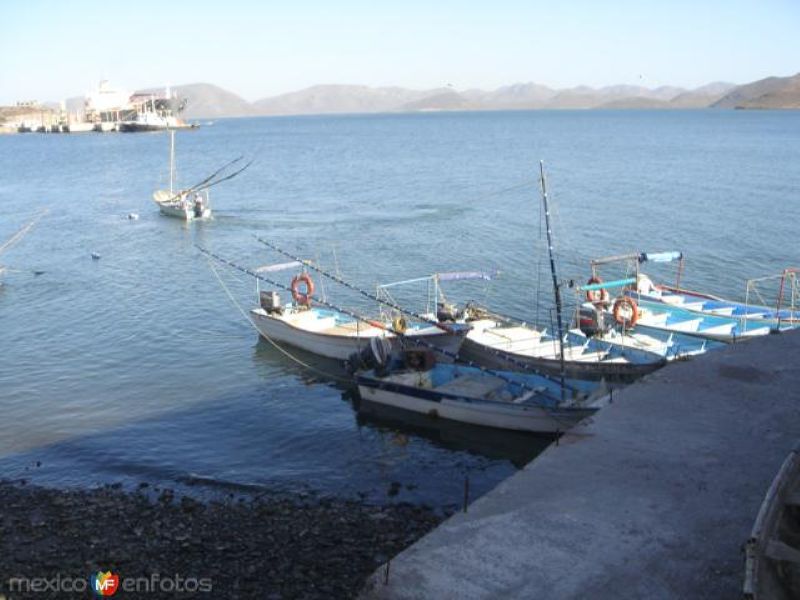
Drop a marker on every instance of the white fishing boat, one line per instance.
(506, 343)
(336, 334)
(515, 401)
(186, 204)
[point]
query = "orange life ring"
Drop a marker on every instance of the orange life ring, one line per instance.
(631, 314)
(596, 296)
(303, 298)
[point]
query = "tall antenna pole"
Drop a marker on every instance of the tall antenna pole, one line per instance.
(556, 285)
(171, 160)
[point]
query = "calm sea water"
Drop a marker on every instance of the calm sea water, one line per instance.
(138, 367)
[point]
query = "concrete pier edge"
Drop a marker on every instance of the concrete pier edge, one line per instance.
(654, 498)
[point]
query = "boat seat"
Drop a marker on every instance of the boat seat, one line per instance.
(515, 334)
(350, 329)
(472, 386)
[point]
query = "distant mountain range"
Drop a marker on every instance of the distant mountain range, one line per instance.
(210, 101)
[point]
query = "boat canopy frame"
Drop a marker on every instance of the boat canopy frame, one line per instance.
(634, 260)
(789, 285)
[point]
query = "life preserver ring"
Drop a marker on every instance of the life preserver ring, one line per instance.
(626, 313)
(599, 296)
(303, 298)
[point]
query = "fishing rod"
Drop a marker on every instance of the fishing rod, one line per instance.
(226, 178)
(354, 315)
(217, 172)
(348, 285)
(202, 184)
(23, 231)
(505, 357)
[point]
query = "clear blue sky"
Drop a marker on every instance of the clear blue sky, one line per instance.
(53, 50)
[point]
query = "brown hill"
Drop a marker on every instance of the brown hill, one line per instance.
(772, 92)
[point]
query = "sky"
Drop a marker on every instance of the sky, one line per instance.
(52, 50)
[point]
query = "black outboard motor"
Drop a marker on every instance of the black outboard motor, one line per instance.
(376, 355)
(447, 313)
(591, 319)
(198, 206)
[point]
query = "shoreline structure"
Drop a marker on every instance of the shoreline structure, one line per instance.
(655, 498)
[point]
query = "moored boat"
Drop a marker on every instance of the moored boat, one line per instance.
(335, 334)
(644, 289)
(515, 401)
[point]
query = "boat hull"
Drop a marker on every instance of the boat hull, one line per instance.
(182, 212)
(341, 347)
(517, 417)
(590, 370)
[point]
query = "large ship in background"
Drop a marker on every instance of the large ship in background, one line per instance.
(103, 109)
(110, 109)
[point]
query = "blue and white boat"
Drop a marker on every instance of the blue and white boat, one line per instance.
(649, 307)
(658, 316)
(500, 399)
(643, 290)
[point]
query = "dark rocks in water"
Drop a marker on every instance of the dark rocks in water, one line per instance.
(272, 546)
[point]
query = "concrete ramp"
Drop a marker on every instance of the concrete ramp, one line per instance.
(653, 499)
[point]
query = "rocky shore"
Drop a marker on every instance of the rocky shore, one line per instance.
(266, 547)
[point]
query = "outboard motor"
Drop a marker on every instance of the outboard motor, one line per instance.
(591, 319)
(447, 312)
(419, 359)
(270, 302)
(375, 355)
(198, 206)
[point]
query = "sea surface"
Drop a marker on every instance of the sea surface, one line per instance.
(140, 366)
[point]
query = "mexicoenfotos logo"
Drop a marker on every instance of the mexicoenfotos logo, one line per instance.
(104, 584)
(107, 583)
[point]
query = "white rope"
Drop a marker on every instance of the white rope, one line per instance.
(270, 340)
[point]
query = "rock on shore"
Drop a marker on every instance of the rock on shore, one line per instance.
(265, 547)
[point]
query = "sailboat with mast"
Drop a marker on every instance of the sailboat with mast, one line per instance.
(183, 204)
(193, 202)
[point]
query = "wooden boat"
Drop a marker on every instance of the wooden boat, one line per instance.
(772, 553)
(331, 333)
(515, 401)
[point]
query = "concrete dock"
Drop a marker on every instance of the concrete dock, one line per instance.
(652, 499)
